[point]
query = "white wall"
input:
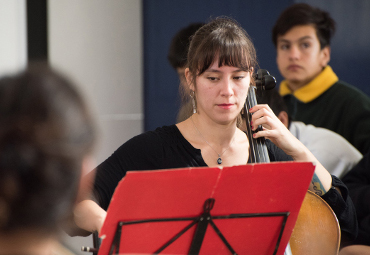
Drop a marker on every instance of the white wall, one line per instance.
(98, 44)
(13, 31)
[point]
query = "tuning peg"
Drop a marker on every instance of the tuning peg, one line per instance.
(264, 80)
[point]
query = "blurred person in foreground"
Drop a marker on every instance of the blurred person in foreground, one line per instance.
(46, 140)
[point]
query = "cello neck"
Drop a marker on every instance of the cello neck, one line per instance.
(258, 151)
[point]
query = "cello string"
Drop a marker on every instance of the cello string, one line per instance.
(255, 141)
(261, 141)
(249, 130)
(259, 148)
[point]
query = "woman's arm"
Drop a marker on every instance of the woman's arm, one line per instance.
(274, 130)
(89, 216)
(355, 250)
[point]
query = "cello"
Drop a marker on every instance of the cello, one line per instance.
(317, 230)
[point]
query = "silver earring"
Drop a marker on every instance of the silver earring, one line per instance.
(192, 95)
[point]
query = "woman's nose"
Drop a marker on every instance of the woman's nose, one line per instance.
(227, 87)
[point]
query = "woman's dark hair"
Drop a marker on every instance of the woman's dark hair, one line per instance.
(304, 14)
(225, 39)
(45, 131)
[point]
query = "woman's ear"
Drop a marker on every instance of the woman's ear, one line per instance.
(189, 79)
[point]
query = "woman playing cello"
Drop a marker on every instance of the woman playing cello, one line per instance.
(221, 61)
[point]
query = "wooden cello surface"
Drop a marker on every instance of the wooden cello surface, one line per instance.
(317, 229)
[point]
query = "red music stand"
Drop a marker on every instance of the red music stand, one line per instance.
(249, 209)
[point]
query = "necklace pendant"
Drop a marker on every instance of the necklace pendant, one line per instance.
(219, 161)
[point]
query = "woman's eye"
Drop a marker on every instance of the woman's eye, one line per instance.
(212, 78)
(238, 77)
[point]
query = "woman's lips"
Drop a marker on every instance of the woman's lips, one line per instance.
(225, 106)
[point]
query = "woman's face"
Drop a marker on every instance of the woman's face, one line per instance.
(220, 92)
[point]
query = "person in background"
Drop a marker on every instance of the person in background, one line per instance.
(311, 89)
(218, 74)
(334, 152)
(177, 56)
(46, 141)
(358, 183)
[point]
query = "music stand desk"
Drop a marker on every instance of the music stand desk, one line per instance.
(248, 209)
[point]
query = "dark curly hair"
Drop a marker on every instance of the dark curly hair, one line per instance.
(45, 131)
(304, 14)
(178, 51)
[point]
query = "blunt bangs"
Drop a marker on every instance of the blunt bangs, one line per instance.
(228, 54)
(223, 41)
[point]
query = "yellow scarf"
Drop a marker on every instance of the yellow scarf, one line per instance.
(314, 89)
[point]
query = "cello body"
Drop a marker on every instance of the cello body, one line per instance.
(317, 229)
